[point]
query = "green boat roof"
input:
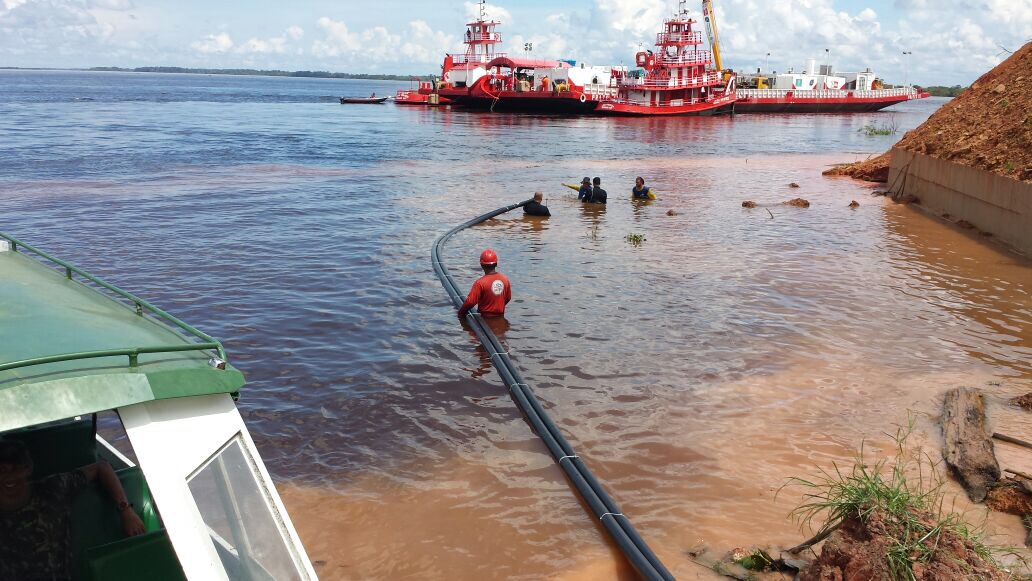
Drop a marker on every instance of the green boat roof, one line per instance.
(69, 349)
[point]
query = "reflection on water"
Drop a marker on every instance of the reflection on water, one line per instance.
(695, 373)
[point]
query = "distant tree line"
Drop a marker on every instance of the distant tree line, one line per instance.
(272, 73)
(938, 91)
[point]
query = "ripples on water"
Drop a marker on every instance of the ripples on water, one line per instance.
(696, 373)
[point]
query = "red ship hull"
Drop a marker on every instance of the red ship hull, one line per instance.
(795, 103)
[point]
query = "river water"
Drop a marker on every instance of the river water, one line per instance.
(695, 374)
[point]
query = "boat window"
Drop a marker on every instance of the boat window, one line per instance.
(247, 533)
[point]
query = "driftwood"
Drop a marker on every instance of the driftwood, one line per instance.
(967, 449)
(816, 539)
(1004, 438)
(1017, 473)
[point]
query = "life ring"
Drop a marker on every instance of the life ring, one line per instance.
(583, 98)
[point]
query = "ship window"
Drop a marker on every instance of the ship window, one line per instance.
(249, 537)
(799, 82)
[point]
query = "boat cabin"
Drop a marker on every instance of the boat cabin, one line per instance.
(73, 346)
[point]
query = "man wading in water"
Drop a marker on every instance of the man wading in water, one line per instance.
(491, 292)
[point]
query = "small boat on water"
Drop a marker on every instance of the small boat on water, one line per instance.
(362, 100)
(73, 346)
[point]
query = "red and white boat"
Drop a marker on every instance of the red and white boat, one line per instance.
(424, 95)
(819, 91)
(677, 79)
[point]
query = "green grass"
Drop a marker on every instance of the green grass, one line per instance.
(635, 239)
(872, 130)
(906, 491)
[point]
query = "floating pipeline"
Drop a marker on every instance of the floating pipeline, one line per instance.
(637, 551)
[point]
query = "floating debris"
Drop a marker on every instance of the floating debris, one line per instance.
(797, 202)
(854, 204)
(672, 213)
(748, 204)
(635, 239)
(793, 185)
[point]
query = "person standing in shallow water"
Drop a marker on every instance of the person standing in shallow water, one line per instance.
(640, 191)
(598, 195)
(535, 208)
(584, 193)
(491, 292)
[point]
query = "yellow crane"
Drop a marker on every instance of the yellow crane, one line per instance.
(711, 32)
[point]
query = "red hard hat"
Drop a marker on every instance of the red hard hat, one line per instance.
(488, 257)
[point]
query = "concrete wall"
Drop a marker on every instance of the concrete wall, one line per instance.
(993, 203)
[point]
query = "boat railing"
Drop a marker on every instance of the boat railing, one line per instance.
(482, 37)
(671, 103)
(599, 92)
(207, 343)
(827, 93)
(477, 59)
(710, 78)
(695, 57)
(663, 38)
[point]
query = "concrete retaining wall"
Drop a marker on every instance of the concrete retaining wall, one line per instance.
(992, 203)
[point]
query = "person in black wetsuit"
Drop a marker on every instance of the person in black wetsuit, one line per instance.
(535, 207)
(584, 194)
(598, 195)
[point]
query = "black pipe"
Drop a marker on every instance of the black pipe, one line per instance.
(637, 551)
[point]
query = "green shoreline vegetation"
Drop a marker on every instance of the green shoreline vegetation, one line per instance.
(937, 91)
(247, 72)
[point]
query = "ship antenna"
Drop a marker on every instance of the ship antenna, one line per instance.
(483, 9)
(683, 6)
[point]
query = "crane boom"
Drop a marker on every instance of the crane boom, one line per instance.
(711, 32)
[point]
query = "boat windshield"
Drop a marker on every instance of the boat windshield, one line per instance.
(247, 536)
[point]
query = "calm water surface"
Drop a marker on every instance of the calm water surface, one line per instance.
(695, 373)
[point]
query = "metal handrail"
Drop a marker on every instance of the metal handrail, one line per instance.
(709, 78)
(207, 343)
(693, 37)
(827, 93)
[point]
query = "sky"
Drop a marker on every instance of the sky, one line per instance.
(950, 41)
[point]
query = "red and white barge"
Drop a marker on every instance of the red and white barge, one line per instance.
(819, 91)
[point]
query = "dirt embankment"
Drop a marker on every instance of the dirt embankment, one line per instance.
(988, 126)
(875, 169)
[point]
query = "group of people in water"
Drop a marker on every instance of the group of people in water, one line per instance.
(590, 192)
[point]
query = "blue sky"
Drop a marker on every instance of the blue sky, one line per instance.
(953, 41)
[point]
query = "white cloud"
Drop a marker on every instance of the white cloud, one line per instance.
(295, 32)
(417, 44)
(120, 5)
(214, 43)
(492, 12)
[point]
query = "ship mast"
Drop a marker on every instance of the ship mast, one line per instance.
(481, 38)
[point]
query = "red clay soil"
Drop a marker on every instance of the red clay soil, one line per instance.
(1024, 401)
(1010, 496)
(875, 169)
(988, 126)
(857, 552)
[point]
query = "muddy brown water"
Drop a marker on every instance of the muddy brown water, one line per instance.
(695, 373)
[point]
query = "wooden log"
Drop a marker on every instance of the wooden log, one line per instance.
(967, 447)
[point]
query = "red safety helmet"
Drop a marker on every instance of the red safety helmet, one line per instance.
(488, 258)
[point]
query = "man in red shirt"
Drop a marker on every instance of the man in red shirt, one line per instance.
(491, 292)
